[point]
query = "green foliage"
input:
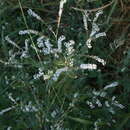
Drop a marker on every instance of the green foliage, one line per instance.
(52, 91)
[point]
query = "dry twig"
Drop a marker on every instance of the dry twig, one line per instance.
(95, 9)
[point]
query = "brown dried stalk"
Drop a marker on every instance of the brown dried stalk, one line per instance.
(95, 9)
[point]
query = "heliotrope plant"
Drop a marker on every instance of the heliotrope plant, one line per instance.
(56, 59)
(44, 46)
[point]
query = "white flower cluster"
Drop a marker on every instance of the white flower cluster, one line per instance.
(88, 66)
(116, 103)
(54, 113)
(102, 34)
(33, 14)
(29, 107)
(95, 29)
(90, 104)
(94, 102)
(110, 105)
(98, 103)
(11, 98)
(69, 47)
(6, 110)
(85, 22)
(70, 52)
(86, 19)
(102, 61)
(88, 43)
(48, 75)
(58, 72)
(46, 46)
(113, 102)
(107, 104)
(99, 93)
(60, 42)
(25, 53)
(114, 84)
(40, 73)
(40, 41)
(29, 31)
(47, 49)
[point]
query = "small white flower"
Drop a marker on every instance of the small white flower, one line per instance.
(70, 47)
(88, 43)
(123, 69)
(9, 128)
(116, 103)
(113, 98)
(103, 94)
(76, 95)
(97, 15)
(40, 41)
(98, 103)
(59, 42)
(96, 93)
(102, 61)
(29, 107)
(11, 98)
(90, 104)
(114, 84)
(107, 104)
(6, 110)
(48, 45)
(48, 75)
(58, 72)
(54, 113)
(40, 73)
(111, 110)
(88, 66)
(114, 121)
(33, 14)
(85, 22)
(95, 29)
(100, 35)
(86, 19)
(26, 44)
(71, 104)
(119, 105)
(11, 42)
(23, 32)
(25, 52)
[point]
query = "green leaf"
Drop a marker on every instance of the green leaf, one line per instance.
(82, 121)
